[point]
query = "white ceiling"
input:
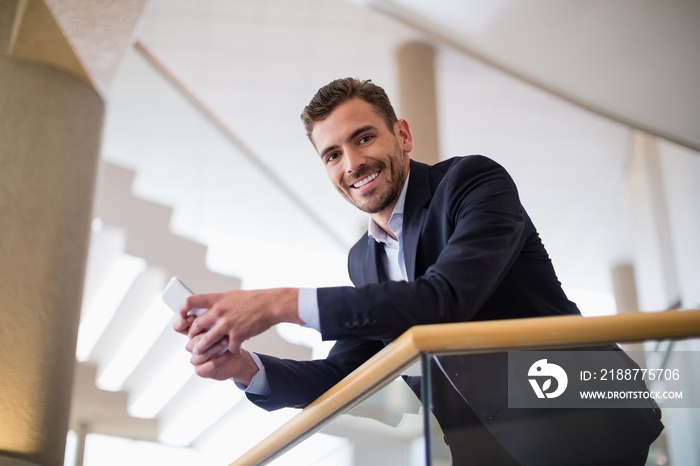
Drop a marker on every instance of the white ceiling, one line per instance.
(533, 84)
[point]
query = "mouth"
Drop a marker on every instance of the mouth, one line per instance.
(365, 181)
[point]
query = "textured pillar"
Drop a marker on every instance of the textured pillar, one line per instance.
(85, 39)
(57, 58)
(416, 72)
(50, 125)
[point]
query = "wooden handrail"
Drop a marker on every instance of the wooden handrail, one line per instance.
(488, 336)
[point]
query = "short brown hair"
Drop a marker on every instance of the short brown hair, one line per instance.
(340, 91)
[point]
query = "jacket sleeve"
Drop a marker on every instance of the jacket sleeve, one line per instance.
(295, 384)
(476, 218)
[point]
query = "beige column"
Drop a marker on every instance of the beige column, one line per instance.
(625, 292)
(654, 263)
(51, 116)
(417, 104)
(624, 288)
(50, 126)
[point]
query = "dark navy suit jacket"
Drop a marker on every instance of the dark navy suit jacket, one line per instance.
(471, 253)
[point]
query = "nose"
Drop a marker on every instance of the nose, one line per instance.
(353, 160)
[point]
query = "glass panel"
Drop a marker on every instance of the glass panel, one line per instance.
(599, 405)
(385, 429)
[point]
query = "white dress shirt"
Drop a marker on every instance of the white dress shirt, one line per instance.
(392, 261)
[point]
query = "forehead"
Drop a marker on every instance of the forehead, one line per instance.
(343, 120)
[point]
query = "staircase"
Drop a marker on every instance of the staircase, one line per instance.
(133, 378)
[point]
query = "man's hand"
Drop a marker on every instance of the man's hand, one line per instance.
(235, 316)
(237, 366)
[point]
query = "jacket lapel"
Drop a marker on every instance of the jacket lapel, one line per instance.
(367, 270)
(418, 196)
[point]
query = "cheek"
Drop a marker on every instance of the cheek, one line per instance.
(335, 175)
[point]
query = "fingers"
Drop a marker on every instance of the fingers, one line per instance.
(214, 324)
(183, 325)
(201, 324)
(222, 366)
(202, 350)
(234, 346)
(237, 314)
(215, 350)
(198, 301)
(209, 343)
(210, 368)
(238, 367)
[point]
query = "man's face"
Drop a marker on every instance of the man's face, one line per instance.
(366, 161)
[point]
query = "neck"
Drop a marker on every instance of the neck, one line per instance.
(382, 219)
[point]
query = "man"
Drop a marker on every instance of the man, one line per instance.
(446, 243)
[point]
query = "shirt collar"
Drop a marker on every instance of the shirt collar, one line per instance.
(376, 232)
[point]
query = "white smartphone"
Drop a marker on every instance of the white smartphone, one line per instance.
(174, 296)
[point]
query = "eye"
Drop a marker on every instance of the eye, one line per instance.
(365, 139)
(331, 157)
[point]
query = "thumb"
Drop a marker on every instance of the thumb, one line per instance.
(234, 346)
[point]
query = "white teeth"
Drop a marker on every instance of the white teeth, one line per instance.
(364, 181)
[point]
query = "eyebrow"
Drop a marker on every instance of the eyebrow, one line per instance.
(352, 136)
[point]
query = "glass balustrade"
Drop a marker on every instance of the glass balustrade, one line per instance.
(556, 404)
(539, 391)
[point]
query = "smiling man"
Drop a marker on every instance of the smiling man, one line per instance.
(445, 243)
(366, 160)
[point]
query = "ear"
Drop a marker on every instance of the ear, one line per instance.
(403, 134)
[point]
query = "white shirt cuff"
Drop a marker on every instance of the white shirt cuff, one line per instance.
(259, 385)
(308, 308)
